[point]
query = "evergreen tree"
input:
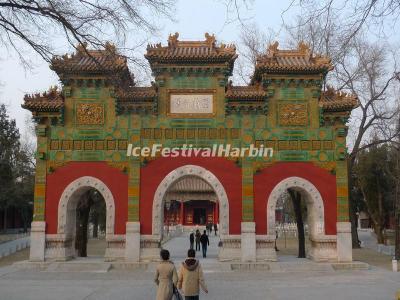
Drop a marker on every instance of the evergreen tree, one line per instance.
(16, 172)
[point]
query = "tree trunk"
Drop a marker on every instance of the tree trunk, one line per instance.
(381, 217)
(397, 207)
(82, 217)
(5, 219)
(296, 200)
(82, 231)
(95, 225)
(397, 241)
(352, 207)
(378, 228)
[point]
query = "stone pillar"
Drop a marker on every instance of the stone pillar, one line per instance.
(38, 241)
(132, 242)
(248, 241)
(343, 243)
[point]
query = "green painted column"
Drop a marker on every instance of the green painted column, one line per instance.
(342, 189)
(134, 180)
(247, 191)
(40, 176)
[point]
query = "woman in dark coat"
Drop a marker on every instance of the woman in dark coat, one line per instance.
(198, 235)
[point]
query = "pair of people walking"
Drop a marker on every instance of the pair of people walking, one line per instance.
(200, 239)
(189, 280)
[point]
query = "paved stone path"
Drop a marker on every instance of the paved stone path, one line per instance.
(178, 247)
(307, 284)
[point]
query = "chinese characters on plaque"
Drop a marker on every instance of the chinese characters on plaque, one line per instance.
(191, 104)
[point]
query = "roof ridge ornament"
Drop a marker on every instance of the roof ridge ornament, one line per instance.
(210, 39)
(303, 48)
(81, 48)
(173, 40)
(272, 49)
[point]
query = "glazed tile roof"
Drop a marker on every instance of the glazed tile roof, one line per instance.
(252, 92)
(91, 61)
(135, 93)
(51, 101)
(191, 51)
(332, 100)
(300, 60)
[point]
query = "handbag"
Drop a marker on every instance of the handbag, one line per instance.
(176, 294)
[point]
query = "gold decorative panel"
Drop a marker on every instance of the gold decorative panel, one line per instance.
(89, 113)
(293, 114)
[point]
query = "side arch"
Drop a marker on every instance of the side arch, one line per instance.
(312, 197)
(174, 176)
(70, 198)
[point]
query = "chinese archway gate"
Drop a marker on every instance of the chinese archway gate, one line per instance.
(87, 130)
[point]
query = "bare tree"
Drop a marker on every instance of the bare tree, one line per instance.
(377, 17)
(367, 69)
(38, 23)
(396, 148)
(253, 43)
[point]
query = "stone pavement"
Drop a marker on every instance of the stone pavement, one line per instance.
(297, 283)
(375, 284)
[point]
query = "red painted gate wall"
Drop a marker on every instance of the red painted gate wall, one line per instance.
(226, 171)
(115, 180)
(268, 178)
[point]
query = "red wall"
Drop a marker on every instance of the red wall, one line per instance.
(115, 180)
(268, 178)
(226, 171)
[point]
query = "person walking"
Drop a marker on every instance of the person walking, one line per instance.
(191, 239)
(204, 243)
(191, 277)
(198, 235)
(215, 228)
(166, 277)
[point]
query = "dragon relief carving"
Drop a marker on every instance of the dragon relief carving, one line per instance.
(89, 114)
(293, 114)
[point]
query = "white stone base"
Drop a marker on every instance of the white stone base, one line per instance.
(248, 241)
(230, 249)
(38, 241)
(150, 246)
(115, 250)
(265, 245)
(132, 242)
(395, 265)
(344, 246)
(323, 248)
(59, 247)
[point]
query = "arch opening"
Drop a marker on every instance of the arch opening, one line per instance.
(297, 190)
(207, 182)
(77, 202)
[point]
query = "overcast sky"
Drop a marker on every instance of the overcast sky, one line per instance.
(192, 20)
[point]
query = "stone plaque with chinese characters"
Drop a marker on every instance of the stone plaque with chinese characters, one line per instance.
(293, 114)
(89, 114)
(191, 104)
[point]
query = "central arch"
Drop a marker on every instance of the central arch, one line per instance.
(313, 200)
(174, 176)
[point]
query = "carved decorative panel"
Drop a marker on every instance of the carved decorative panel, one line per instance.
(191, 104)
(293, 114)
(89, 113)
